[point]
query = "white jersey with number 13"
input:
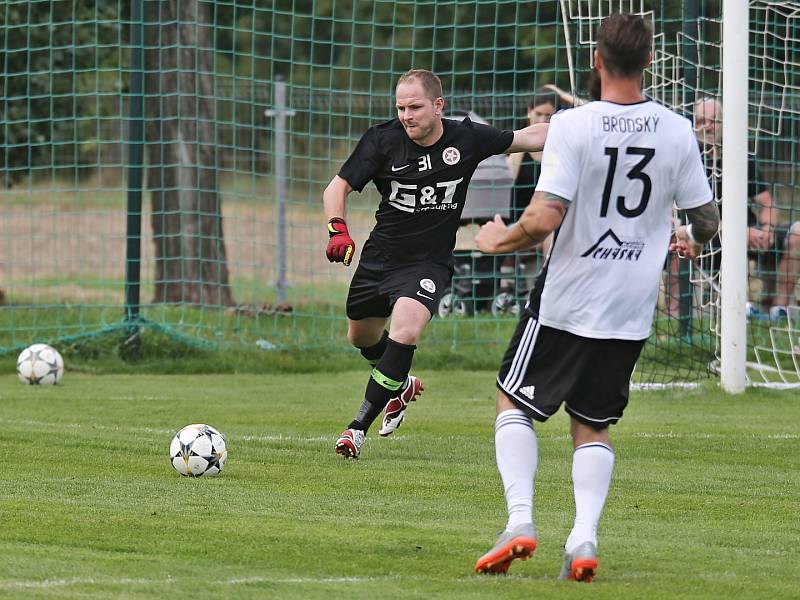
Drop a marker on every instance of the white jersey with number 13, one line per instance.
(621, 167)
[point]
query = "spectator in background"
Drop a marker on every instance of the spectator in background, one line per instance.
(526, 166)
(774, 247)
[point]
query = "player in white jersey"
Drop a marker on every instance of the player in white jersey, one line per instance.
(611, 171)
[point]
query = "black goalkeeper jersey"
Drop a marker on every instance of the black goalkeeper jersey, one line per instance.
(422, 188)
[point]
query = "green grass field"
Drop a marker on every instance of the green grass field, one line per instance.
(704, 502)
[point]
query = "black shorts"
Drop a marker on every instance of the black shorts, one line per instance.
(545, 367)
(377, 284)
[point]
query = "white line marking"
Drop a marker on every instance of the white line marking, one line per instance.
(45, 425)
(678, 385)
(11, 584)
(284, 438)
(258, 579)
(27, 584)
(56, 425)
(713, 436)
(407, 438)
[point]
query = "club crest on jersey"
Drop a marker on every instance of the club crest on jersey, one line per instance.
(427, 285)
(451, 155)
(610, 247)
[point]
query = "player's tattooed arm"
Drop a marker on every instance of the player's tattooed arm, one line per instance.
(529, 139)
(704, 220)
(548, 197)
(703, 224)
(541, 217)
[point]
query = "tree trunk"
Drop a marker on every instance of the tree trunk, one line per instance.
(191, 262)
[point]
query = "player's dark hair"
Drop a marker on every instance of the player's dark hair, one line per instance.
(430, 82)
(545, 96)
(594, 84)
(624, 42)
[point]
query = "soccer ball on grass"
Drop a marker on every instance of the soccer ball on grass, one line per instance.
(40, 364)
(198, 450)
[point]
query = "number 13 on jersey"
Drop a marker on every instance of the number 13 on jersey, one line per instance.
(635, 173)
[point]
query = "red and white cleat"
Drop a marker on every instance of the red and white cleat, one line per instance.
(396, 408)
(349, 443)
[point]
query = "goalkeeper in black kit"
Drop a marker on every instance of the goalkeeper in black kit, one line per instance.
(421, 163)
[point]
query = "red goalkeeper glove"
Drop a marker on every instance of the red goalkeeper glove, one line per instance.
(340, 245)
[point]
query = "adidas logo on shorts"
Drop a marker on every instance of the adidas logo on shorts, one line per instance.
(528, 391)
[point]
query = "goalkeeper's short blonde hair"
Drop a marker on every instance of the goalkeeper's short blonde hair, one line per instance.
(429, 80)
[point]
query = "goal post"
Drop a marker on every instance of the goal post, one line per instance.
(733, 273)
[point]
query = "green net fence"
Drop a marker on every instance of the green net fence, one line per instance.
(163, 161)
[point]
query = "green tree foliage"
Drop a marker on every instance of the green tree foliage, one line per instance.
(64, 66)
(60, 74)
(365, 45)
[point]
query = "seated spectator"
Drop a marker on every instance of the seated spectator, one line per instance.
(775, 247)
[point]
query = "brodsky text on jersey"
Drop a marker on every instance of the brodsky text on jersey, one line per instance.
(629, 124)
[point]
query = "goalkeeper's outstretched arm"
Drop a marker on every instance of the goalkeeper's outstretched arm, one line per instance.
(529, 139)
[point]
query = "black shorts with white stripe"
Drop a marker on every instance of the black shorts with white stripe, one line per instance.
(544, 368)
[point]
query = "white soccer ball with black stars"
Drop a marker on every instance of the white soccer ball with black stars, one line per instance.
(40, 364)
(198, 450)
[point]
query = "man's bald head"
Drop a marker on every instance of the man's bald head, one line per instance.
(708, 121)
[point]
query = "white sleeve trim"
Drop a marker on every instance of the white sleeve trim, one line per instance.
(696, 203)
(551, 190)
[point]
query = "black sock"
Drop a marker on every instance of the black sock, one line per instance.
(385, 382)
(374, 353)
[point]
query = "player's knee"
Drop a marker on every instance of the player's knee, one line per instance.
(585, 433)
(361, 339)
(406, 330)
(409, 319)
(404, 337)
(503, 402)
(353, 338)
